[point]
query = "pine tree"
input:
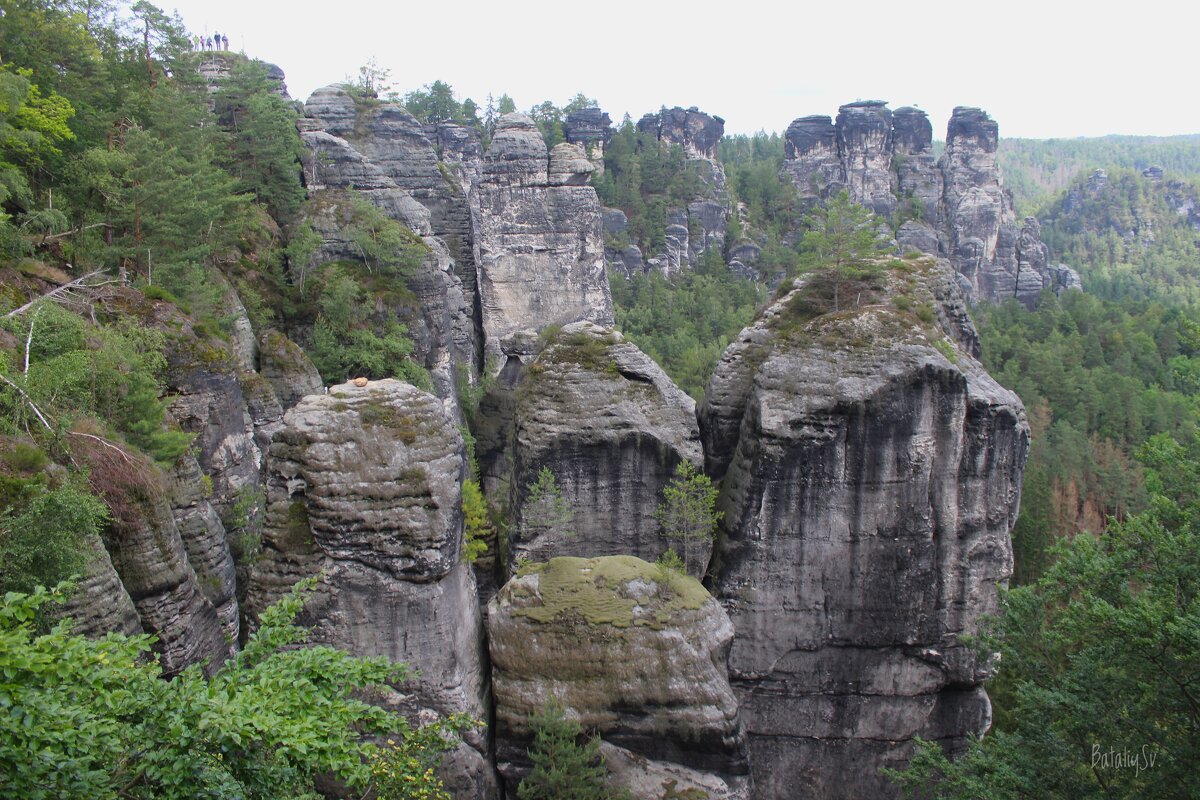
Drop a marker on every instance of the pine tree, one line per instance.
(687, 511)
(563, 768)
(546, 511)
(842, 242)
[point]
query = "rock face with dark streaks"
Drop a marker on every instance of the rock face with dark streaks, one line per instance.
(633, 652)
(699, 227)
(611, 426)
(591, 129)
(364, 487)
(869, 482)
(865, 142)
(885, 161)
(539, 244)
(382, 153)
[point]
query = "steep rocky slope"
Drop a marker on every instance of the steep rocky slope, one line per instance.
(869, 469)
(870, 476)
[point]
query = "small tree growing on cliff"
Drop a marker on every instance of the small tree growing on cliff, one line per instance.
(546, 511)
(842, 241)
(564, 768)
(688, 509)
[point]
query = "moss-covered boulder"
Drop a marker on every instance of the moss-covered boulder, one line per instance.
(633, 651)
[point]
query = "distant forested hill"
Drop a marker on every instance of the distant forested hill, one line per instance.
(1038, 169)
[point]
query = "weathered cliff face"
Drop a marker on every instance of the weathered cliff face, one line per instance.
(885, 161)
(539, 244)
(700, 226)
(632, 652)
(383, 153)
(865, 141)
(611, 426)
(591, 129)
(364, 487)
(869, 484)
(697, 133)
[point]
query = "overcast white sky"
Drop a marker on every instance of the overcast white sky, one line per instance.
(1041, 69)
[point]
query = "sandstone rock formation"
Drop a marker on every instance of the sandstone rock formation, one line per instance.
(382, 152)
(707, 215)
(364, 487)
(611, 426)
(885, 161)
(590, 128)
(636, 654)
(539, 247)
(870, 476)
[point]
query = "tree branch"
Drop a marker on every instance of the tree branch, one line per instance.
(65, 287)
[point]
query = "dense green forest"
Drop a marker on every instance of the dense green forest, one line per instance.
(1038, 170)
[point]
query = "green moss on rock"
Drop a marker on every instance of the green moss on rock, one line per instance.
(614, 590)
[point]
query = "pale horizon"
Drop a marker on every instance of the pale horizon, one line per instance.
(1040, 71)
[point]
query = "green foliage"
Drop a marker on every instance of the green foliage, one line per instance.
(94, 718)
(1128, 237)
(264, 147)
(1098, 378)
(563, 767)
(1099, 660)
(383, 243)
(842, 243)
(347, 344)
(115, 372)
(435, 102)
(645, 178)
(685, 324)
(545, 510)
(477, 525)
(688, 510)
(44, 531)
(1038, 169)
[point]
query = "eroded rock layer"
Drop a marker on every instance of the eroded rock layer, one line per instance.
(612, 427)
(539, 243)
(871, 474)
(364, 486)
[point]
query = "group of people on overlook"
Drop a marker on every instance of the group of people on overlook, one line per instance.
(215, 42)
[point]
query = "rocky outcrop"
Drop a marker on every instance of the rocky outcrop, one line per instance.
(611, 426)
(699, 227)
(885, 161)
(539, 247)
(148, 554)
(811, 157)
(619, 253)
(865, 143)
(980, 236)
(697, 133)
(100, 605)
(1061, 278)
(591, 129)
(918, 180)
(207, 401)
(288, 370)
(870, 476)
(379, 150)
(205, 541)
(633, 652)
(364, 488)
